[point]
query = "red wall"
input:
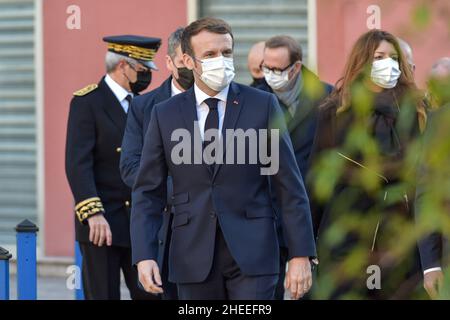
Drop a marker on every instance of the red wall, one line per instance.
(74, 59)
(340, 22)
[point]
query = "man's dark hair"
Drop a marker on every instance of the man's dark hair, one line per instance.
(213, 25)
(294, 48)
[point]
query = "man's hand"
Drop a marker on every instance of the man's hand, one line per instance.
(298, 277)
(149, 276)
(432, 282)
(99, 230)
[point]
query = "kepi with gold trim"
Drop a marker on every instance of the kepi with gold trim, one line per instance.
(140, 48)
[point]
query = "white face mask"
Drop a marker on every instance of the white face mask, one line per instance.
(385, 73)
(218, 72)
(277, 81)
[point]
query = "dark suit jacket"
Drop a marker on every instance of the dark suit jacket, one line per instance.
(431, 247)
(302, 126)
(137, 124)
(236, 196)
(139, 115)
(94, 135)
(262, 86)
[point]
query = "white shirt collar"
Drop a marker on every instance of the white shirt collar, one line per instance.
(200, 96)
(117, 89)
(175, 90)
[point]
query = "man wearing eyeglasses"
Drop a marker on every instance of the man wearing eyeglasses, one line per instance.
(299, 93)
(95, 130)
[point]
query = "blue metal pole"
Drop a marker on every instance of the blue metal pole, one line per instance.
(79, 293)
(26, 260)
(4, 274)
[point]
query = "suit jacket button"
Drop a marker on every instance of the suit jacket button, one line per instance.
(127, 203)
(161, 242)
(212, 214)
(119, 149)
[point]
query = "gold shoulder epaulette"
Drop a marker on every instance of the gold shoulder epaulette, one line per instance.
(85, 90)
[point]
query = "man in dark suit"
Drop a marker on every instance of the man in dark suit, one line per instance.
(300, 93)
(137, 123)
(434, 172)
(224, 242)
(434, 245)
(95, 129)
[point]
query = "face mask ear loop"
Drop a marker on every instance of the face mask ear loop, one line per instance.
(127, 77)
(195, 64)
(173, 63)
(124, 73)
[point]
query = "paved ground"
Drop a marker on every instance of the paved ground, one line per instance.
(54, 288)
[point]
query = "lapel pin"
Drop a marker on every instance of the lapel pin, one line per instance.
(235, 102)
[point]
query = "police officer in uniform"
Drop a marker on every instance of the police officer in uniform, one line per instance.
(95, 129)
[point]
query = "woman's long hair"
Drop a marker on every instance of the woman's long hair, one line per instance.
(358, 69)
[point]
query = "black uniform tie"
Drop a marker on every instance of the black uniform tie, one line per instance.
(129, 98)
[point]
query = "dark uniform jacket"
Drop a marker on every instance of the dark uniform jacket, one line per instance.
(94, 135)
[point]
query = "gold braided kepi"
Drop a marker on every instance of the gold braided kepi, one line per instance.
(143, 49)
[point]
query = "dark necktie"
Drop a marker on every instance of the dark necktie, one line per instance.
(129, 98)
(212, 121)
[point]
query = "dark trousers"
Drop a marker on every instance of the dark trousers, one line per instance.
(226, 281)
(279, 292)
(170, 289)
(101, 273)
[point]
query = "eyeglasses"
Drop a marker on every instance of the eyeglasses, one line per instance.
(137, 69)
(276, 71)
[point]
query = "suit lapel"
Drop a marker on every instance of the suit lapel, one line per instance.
(165, 90)
(232, 111)
(113, 108)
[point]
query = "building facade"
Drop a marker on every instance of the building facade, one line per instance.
(51, 48)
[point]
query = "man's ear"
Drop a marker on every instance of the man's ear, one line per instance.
(298, 66)
(169, 64)
(188, 61)
(121, 65)
(296, 69)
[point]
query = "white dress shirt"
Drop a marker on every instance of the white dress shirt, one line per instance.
(432, 269)
(175, 90)
(119, 92)
(203, 109)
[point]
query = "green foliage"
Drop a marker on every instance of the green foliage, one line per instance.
(370, 212)
(383, 206)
